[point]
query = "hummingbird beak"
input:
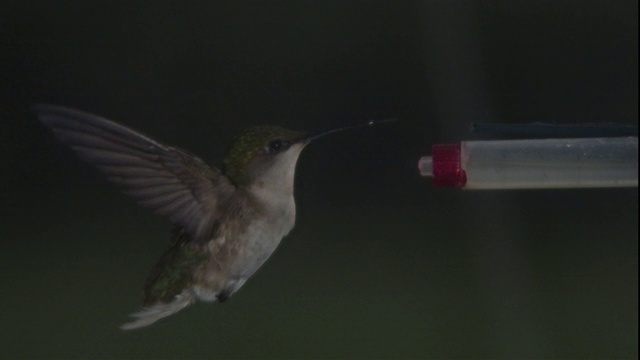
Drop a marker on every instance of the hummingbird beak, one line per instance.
(311, 137)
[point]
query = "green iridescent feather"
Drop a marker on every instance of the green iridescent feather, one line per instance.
(174, 271)
(249, 145)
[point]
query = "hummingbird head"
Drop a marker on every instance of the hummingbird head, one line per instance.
(265, 157)
(263, 152)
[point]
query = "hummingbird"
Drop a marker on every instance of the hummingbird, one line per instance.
(226, 223)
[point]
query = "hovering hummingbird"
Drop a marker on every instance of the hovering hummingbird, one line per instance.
(226, 224)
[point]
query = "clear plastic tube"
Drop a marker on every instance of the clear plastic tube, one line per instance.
(538, 163)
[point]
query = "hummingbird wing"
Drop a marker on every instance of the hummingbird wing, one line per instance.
(163, 178)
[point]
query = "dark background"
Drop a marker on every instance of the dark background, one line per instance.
(380, 263)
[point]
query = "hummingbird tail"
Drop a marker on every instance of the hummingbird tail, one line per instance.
(158, 311)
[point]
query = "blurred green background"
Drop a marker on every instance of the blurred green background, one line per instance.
(380, 264)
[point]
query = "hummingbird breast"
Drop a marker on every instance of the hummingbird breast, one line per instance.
(244, 242)
(262, 238)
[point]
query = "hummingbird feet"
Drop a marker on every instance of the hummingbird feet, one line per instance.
(223, 296)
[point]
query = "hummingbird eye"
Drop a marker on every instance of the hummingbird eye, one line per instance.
(276, 146)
